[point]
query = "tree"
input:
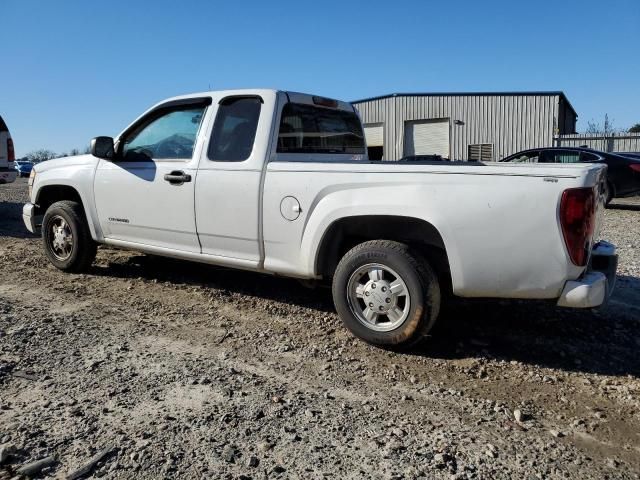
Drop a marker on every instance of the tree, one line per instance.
(592, 128)
(607, 128)
(635, 128)
(40, 155)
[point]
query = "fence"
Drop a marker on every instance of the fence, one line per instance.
(622, 142)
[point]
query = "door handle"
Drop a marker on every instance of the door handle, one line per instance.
(177, 177)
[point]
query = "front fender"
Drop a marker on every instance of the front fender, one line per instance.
(78, 176)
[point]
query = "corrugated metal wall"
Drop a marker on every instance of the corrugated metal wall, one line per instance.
(510, 122)
(624, 142)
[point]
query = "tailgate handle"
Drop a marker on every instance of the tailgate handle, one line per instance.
(177, 177)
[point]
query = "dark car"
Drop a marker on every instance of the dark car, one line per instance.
(635, 155)
(424, 158)
(23, 167)
(623, 172)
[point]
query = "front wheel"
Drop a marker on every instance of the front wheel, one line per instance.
(67, 238)
(385, 294)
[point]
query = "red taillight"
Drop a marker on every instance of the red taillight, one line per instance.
(635, 167)
(577, 219)
(12, 154)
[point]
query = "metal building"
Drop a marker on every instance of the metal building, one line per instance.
(463, 126)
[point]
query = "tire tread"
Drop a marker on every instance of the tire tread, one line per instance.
(86, 247)
(426, 276)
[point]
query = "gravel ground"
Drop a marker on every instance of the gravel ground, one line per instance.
(161, 369)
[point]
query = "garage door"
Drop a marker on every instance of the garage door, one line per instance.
(374, 135)
(427, 137)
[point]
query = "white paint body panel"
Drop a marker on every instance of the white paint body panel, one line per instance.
(228, 194)
(136, 204)
(499, 222)
(75, 172)
(499, 226)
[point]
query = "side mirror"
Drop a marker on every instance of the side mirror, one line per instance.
(102, 147)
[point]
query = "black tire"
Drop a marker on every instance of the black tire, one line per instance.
(82, 250)
(609, 193)
(421, 282)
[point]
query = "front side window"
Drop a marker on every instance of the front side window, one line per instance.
(168, 134)
(310, 129)
(234, 131)
(527, 157)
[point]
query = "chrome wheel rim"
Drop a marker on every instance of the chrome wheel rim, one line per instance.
(378, 297)
(60, 238)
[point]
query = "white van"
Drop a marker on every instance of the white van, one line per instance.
(7, 155)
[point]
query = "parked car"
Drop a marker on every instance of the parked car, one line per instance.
(629, 154)
(7, 155)
(279, 183)
(23, 167)
(623, 172)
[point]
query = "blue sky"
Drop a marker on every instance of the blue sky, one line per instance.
(75, 69)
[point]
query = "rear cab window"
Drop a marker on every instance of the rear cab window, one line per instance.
(312, 131)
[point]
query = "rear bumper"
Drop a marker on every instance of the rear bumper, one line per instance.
(595, 287)
(31, 221)
(8, 176)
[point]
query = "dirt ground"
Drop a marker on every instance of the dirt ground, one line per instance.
(179, 370)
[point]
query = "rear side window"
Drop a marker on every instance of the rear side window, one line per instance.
(588, 157)
(309, 129)
(560, 156)
(234, 131)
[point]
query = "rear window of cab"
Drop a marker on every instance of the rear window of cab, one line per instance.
(310, 129)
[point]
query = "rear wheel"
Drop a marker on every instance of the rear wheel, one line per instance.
(67, 238)
(608, 193)
(386, 294)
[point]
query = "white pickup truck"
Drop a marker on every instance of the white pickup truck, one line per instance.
(279, 182)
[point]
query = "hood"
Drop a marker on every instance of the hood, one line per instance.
(75, 161)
